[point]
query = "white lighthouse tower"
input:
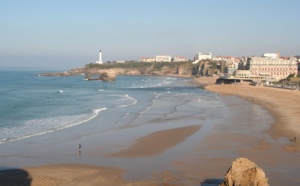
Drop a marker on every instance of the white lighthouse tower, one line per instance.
(100, 57)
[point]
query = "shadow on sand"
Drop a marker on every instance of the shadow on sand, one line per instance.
(211, 182)
(14, 176)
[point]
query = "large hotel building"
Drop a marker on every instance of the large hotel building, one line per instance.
(269, 67)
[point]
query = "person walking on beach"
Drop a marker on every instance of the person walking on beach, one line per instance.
(79, 148)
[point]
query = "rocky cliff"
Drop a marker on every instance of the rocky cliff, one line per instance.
(72, 72)
(186, 69)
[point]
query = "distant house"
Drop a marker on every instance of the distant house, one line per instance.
(232, 67)
(201, 56)
(121, 61)
(226, 58)
(163, 58)
(179, 59)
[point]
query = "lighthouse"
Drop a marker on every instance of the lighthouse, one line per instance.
(100, 57)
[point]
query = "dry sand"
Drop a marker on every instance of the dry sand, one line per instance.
(283, 104)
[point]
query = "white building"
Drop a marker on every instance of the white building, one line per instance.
(275, 67)
(271, 55)
(226, 58)
(232, 67)
(163, 58)
(100, 58)
(266, 68)
(120, 61)
(201, 56)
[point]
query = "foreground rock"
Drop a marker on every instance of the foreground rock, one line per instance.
(244, 172)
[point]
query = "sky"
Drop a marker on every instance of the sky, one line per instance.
(65, 34)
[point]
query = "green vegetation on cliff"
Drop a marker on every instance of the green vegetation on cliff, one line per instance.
(155, 66)
(117, 65)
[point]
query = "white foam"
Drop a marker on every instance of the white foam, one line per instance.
(134, 101)
(38, 127)
(4, 140)
(166, 82)
(96, 111)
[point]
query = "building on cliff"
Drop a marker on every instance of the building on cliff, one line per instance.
(201, 56)
(179, 59)
(163, 58)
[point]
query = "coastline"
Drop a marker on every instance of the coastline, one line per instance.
(83, 173)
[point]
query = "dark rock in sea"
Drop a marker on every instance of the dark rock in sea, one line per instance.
(108, 77)
(103, 76)
(244, 172)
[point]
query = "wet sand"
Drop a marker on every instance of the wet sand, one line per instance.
(194, 168)
(73, 175)
(157, 142)
(282, 103)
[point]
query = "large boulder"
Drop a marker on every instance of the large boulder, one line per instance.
(244, 172)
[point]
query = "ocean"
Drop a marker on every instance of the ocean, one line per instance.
(32, 105)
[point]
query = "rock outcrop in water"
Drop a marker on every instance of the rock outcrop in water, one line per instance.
(108, 77)
(244, 172)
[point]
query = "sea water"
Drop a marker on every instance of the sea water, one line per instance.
(32, 105)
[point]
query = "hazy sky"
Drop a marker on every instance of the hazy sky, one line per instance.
(65, 34)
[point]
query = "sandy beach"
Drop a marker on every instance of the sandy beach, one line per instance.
(271, 149)
(282, 103)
